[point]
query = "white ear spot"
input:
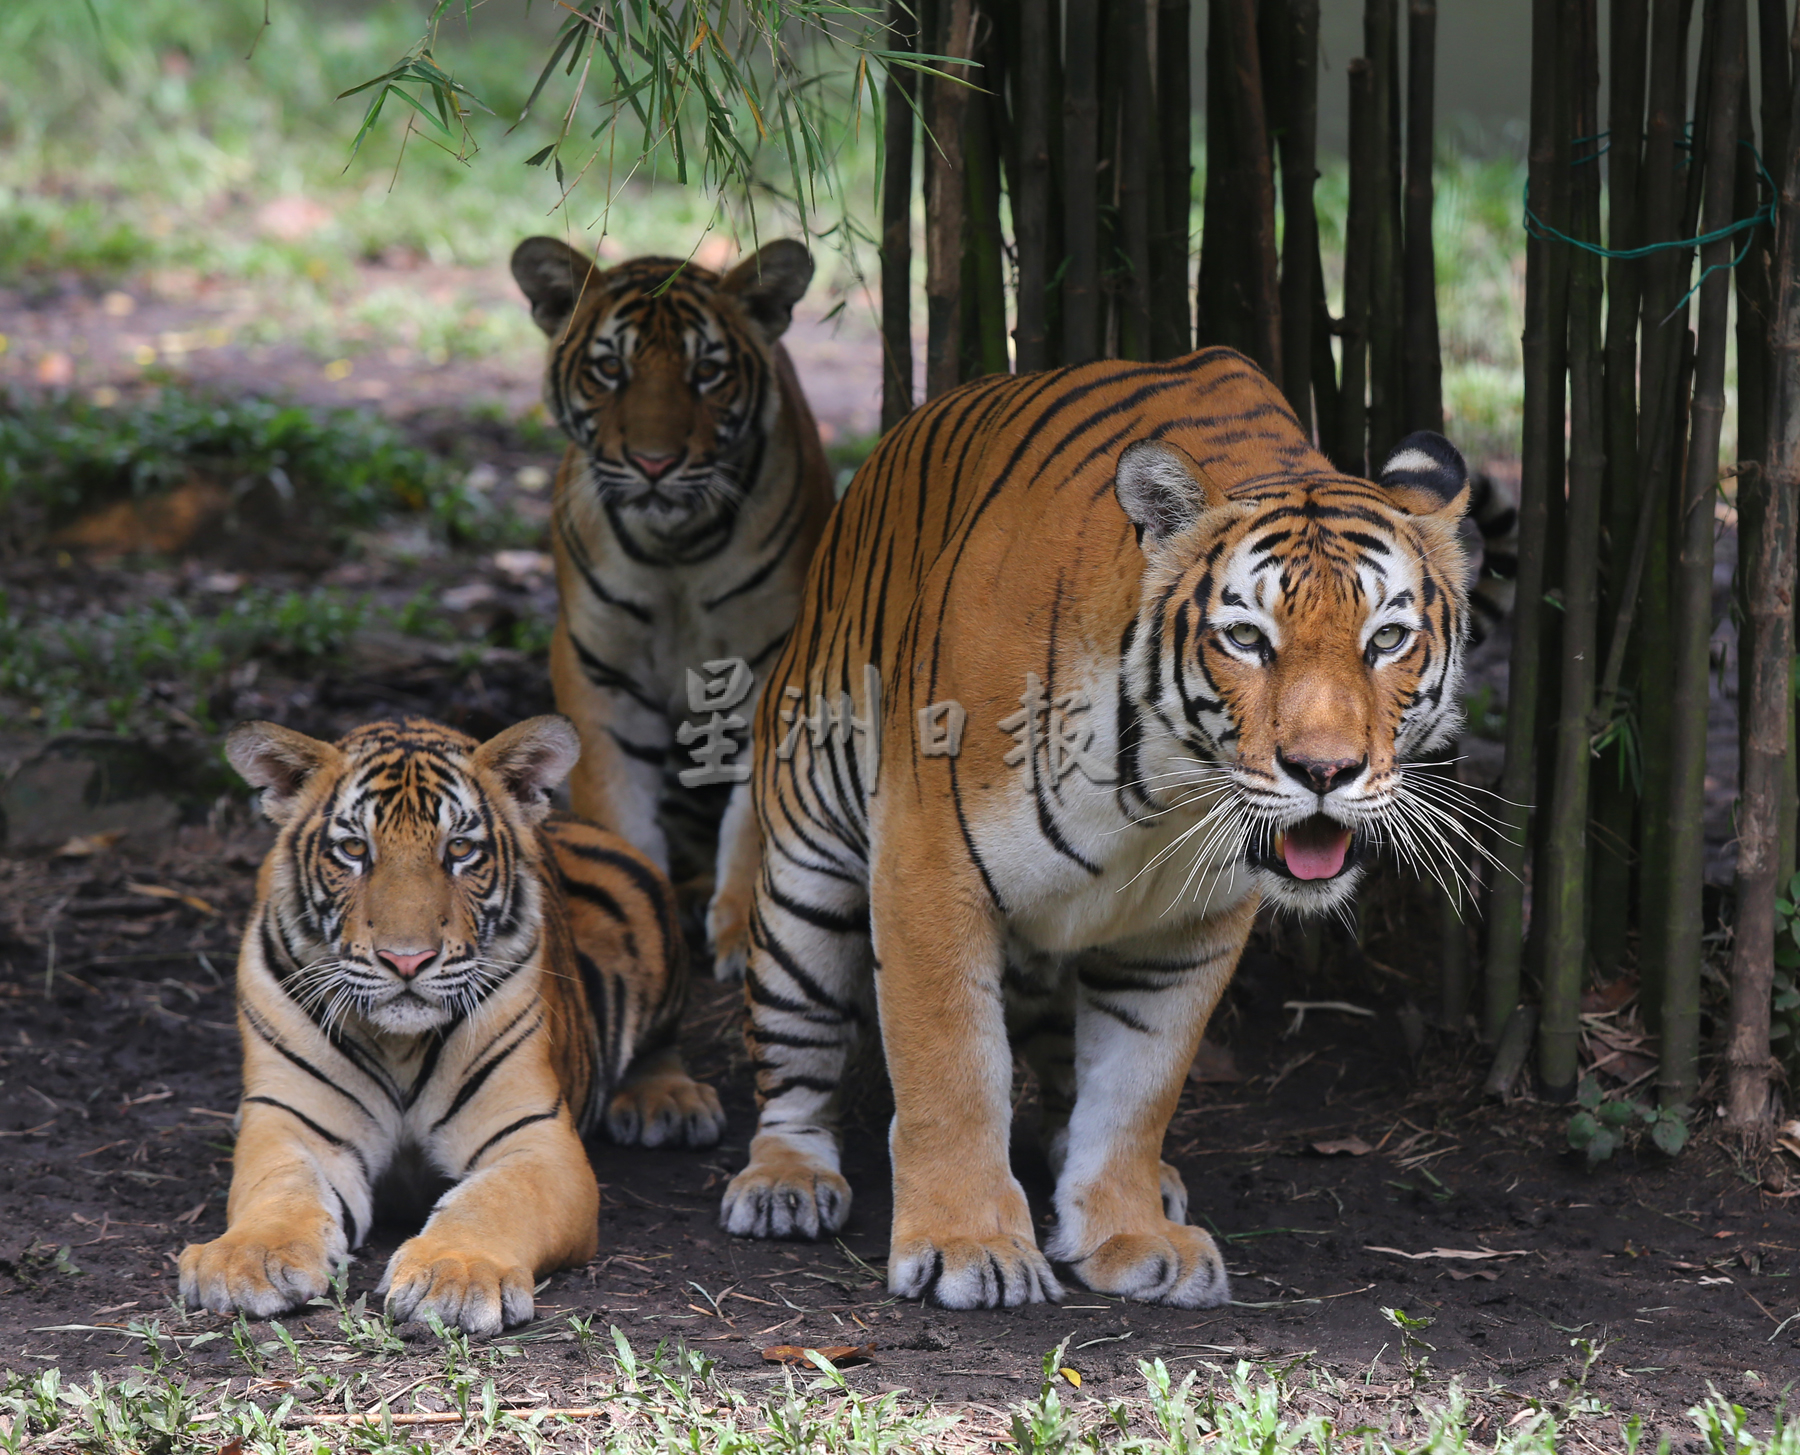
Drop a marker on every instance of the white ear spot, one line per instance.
(1410, 462)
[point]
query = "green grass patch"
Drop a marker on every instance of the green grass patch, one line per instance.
(359, 1387)
(164, 660)
(335, 470)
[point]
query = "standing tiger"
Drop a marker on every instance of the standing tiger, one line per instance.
(1091, 664)
(689, 501)
(439, 990)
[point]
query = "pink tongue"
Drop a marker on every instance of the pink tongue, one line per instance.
(1312, 854)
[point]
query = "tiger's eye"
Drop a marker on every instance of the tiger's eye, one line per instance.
(610, 367)
(706, 370)
(460, 848)
(1389, 637)
(355, 848)
(1245, 634)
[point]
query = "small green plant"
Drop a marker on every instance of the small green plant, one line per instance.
(1414, 1351)
(1043, 1426)
(1605, 1124)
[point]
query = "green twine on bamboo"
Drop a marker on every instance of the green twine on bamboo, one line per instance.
(1764, 216)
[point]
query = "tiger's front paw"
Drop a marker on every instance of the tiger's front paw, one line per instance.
(262, 1269)
(995, 1271)
(784, 1194)
(1180, 1266)
(465, 1290)
(666, 1109)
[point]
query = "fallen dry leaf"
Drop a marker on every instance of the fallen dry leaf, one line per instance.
(1787, 1136)
(162, 891)
(1214, 1064)
(1343, 1147)
(831, 1353)
(1470, 1254)
(85, 846)
(1609, 997)
(193, 1213)
(1463, 1275)
(1072, 1375)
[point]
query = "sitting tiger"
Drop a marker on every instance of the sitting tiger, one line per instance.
(1094, 663)
(687, 507)
(439, 989)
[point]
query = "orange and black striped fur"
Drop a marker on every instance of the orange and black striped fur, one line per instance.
(440, 989)
(1186, 659)
(690, 499)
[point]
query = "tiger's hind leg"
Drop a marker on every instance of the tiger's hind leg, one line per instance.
(805, 987)
(728, 916)
(1042, 1024)
(1140, 1011)
(633, 973)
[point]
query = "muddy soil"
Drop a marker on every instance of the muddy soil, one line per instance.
(118, 1080)
(1349, 1161)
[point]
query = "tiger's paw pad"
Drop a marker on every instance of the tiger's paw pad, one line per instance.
(1000, 1271)
(258, 1275)
(467, 1292)
(671, 1110)
(785, 1197)
(1180, 1266)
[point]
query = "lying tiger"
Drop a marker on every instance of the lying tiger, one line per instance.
(440, 988)
(1092, 664)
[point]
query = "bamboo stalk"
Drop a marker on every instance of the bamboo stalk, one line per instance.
(983, 299)
(1352, 458)
(1172, 322)
(1424, 399)
(1138, 164)
(900, 97)
(944, 190)
(1081, 163)
(1560, 897)
(1328, 404)
(1682, 926)
(1614, 796)
(1544, 265)
(1112, 240)
(1250, 140)
(1031, 204)
(1386, 299)
(1749, 1067)
(1299, 219)
(1240, 302)
(1219, 315)
(1754, 302)
(1643, 599)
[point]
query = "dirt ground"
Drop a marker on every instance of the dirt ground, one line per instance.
(119, 1066)
(1349, 1160)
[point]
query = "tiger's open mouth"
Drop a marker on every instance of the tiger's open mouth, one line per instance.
(1315, 848)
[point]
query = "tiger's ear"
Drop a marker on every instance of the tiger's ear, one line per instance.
(769, 283)
(279, 761)
(1163, 490)
(551, 274)
(530, 758)
(1426, 476)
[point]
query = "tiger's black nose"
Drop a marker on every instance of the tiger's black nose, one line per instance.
(1321, 775)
